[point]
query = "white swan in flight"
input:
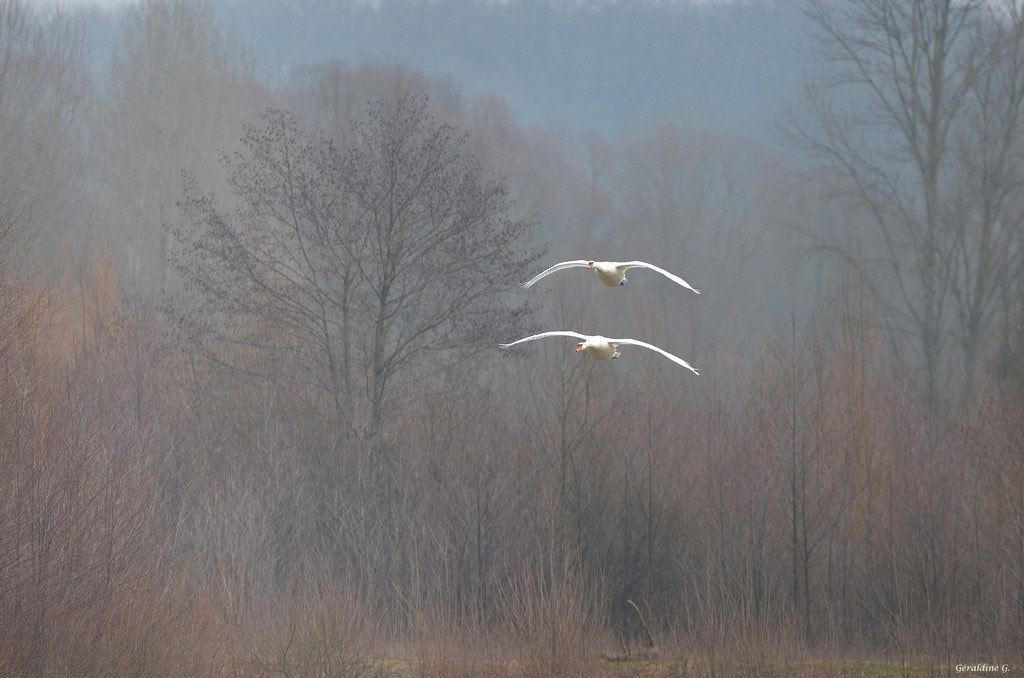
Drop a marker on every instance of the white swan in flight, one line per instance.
(603, 348)
(611, 273)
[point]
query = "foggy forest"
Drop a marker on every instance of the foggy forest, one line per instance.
(257, 258)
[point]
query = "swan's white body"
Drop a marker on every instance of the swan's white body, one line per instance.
(603, 348)
(611, 273)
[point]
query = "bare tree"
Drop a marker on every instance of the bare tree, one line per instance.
(277, 272)
(353, 268)
(44, 96)
(883, 119)
(436, 250)
(987, 204)
(179, 91)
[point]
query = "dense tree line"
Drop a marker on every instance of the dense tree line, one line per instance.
(253, 418)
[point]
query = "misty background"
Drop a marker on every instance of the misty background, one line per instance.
(598, 67)
(256, 259)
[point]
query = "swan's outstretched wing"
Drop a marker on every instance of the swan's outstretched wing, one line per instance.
(576, 263)
(673, 358)
(558, 333)
(671, 276)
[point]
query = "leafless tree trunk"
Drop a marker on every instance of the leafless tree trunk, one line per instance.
(436, 247)
(178, 92)
(884, 117)
(344, 271)
(988, 197)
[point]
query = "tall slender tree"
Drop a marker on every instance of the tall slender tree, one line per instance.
(179, 90)
(883, 117)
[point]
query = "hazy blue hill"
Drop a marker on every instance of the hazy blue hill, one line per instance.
(596, 65)
(603, 66)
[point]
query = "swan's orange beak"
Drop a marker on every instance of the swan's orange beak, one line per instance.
(579, 347)
(590, 265)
